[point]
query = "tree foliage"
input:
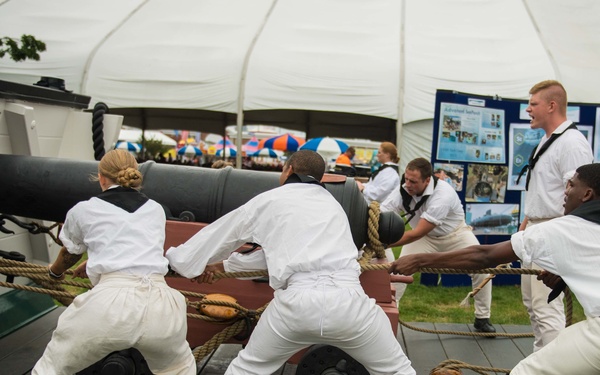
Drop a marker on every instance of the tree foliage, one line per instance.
(28, 49)
(154, 147)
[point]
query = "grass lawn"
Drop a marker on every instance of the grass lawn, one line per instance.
(441, 304)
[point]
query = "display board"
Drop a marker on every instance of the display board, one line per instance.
(481, 144)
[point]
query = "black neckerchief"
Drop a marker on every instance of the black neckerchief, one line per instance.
(407, 198)
(126, 198)
(382, 168)
(533, 160)
(589, 211)
(302, 178)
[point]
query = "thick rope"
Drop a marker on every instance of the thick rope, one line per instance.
(212, 344)
(38, 273)
(453, 364)
(460, 333)
(374, 247)
(98, 129)
(52, 287)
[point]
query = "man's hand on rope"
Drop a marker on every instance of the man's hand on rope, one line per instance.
(549, 279)
(209, 272)
(406, 265)
(554, 282)
(80, 271)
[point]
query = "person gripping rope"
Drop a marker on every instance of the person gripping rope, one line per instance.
(130, 306)
(436, 217)
(566, 246)
(309, 252)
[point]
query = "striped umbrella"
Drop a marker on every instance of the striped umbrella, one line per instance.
(285, 142)
(129, 146)
(329, 148)
(189, 151)
(267, 152)
(251, 146)
(228, 143)
(227, 152)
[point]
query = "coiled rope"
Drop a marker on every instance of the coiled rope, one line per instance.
(98, 129)
(453, 364)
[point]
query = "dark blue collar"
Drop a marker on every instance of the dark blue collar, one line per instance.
(126, 198)
(302, 178)
(589, 211)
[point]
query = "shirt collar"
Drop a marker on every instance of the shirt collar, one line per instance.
(302, 178)
(562, 127)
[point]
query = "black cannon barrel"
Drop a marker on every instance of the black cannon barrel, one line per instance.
(46, 188)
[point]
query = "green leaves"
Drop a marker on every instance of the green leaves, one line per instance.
(28, 49)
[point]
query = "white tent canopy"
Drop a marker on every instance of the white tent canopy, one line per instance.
(340, 68)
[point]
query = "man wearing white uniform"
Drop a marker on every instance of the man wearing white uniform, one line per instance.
(436, 217)
(561, 150)
(308, 249)
(566, 246)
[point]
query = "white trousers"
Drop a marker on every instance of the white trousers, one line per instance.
(322, 309)
(547, 319)
(460, 238)
(576, 350)
(122, 312)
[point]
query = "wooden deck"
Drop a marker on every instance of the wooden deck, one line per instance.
(21, 349)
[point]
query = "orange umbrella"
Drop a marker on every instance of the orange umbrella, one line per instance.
(285, 142)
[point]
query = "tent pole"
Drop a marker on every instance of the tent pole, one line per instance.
(402, 78)
(144, 125)
(240, 112)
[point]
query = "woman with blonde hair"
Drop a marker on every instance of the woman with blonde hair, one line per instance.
(130, 306)
(386, 178)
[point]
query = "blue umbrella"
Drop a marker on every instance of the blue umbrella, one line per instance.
(325, 146)
(189, 151)
(226, 152)
(267, 152)
(129, 146)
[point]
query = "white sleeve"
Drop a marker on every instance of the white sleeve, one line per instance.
(254, 261)
(211, 244)
(380, 188)
(71, 235)
(393, 203)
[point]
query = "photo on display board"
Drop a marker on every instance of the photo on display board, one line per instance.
(498, 219)
(471, 134)
(486, 183)
(451, 173)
